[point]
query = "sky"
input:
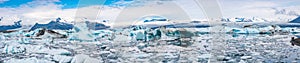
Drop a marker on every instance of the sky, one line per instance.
(129, 11)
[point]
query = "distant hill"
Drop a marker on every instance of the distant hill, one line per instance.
(57, 25)
(9, 27)
(297, 20)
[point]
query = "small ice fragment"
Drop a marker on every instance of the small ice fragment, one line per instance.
(245, 57)
(62, 59)
(28, 60)
(13, 49)
(84, 59)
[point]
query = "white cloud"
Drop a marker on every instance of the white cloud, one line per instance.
(46, 10)
(2, 1)
(43, 13)
(257, 8)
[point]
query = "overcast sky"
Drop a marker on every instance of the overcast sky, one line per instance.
(127, 11)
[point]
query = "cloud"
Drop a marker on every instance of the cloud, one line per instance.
(31, 12)
(46, 11)
(43, 11)
(258, 8)
(2, 1)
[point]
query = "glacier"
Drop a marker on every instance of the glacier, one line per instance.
(166, 43)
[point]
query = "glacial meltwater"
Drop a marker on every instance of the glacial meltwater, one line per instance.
(202, 48)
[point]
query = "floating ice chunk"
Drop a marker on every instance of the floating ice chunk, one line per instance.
(82, 33)
(266, 29)
(140, 35)
(171, 57)
(205, 56)
(245, 30)
(104, 34)
(2, 38)
(252, 30)
(24, 40)
(32, 33)
(104, 53)
(245, 57)
(112, 56)
(21, 48)
(85, 59)
(142, 55)
(201, 30)
(242, 61)
(183, 33)
(13, 49)
(122, 38)
(28, 34)
(62, 59)
(221, 58)
(29, 60)
(142, 45)
(99, 32)
(59, 52)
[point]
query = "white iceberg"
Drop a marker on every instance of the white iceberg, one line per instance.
(62, 59)
(24, 40)
(28, 60)
(13, 49)
(85, 59)
(82, 33)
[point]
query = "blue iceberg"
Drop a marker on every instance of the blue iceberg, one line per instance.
(96, 26)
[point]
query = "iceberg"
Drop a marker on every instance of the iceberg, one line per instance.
(122, 38)
(140, 35)
(96, 26)
(104, 34)
(13, 49)
(62, 59)
(28, 60)
(258, 30)
(146, 34)
(45, 33)
(85, 59)
(2, 38)
(183, 33)
(246, 31)
(82, 33)
(24, 40)
(58, 52)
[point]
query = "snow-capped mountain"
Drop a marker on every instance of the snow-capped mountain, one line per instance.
(54, 25)
(9, 27)
(238, 19)
(286, 12)
(152, 20)
(297, 20)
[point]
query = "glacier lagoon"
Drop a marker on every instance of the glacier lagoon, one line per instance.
(202, 47)
(167, 43)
